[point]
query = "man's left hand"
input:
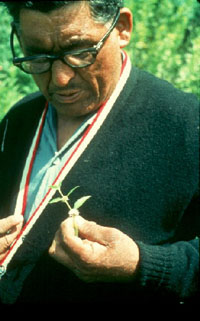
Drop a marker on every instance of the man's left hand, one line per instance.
(98, 254)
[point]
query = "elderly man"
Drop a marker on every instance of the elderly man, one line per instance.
(128, 139)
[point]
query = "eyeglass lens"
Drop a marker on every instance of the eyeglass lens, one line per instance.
(36, 65)
(39, 65)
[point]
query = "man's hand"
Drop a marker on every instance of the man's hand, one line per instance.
(9, 229)
(98, 254)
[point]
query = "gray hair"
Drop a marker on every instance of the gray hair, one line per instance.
(102, 10)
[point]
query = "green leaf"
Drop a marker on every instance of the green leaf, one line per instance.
(56, 200)
(81, 201)
(72, 190)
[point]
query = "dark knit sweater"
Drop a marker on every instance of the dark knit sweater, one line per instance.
(142, 172)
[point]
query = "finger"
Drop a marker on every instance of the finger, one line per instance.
(80, 256)
(9, 222)
(90, 230)
(97, 233)
(68, 239)
(72, 261)
(60, 255)
(3, 255)
(79, 249)
(8, 239)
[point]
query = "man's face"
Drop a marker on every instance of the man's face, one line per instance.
(73, 92)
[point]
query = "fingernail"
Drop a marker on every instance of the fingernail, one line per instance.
(19, 219)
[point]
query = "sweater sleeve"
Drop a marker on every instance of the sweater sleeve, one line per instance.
(173, 269)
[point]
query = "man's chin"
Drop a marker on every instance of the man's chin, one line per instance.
(74, 110)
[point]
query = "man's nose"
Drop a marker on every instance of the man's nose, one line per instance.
(61, 73)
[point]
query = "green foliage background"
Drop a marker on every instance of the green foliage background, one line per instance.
(165, 42)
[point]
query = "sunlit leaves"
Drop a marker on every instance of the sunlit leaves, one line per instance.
(166, 40)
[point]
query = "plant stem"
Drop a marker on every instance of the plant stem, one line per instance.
(64, 198)
(69, 207)
(75, 226)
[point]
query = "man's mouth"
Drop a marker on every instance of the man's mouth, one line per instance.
(67, 97)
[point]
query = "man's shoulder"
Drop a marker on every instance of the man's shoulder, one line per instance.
(24, 115)
(28, 110)
(158, 94)
(157, 105)
(35, 99)
(155, 87)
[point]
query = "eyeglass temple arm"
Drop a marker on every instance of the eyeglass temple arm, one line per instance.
(14, 30)
(101, 42)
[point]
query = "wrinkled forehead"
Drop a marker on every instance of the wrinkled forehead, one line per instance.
(59, 29)
(75, 19)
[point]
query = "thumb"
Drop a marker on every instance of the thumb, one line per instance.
(96, 233)
(10, 222)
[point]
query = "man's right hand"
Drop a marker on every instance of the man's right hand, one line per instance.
(10, 227)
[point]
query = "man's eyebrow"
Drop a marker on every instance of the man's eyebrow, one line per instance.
(34, 50)
(67, 46)
(78, 43)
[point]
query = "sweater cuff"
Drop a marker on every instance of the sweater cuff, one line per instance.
(155, 268)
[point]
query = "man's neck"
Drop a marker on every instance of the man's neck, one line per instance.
(66, 128)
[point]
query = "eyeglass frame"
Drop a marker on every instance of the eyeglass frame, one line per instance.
(94, 50)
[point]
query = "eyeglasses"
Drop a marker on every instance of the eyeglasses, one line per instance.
(39, 64)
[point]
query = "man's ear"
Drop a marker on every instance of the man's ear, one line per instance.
(125, 27)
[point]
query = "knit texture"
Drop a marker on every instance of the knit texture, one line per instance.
(142, 172)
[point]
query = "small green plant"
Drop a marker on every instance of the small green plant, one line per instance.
(73, 211)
